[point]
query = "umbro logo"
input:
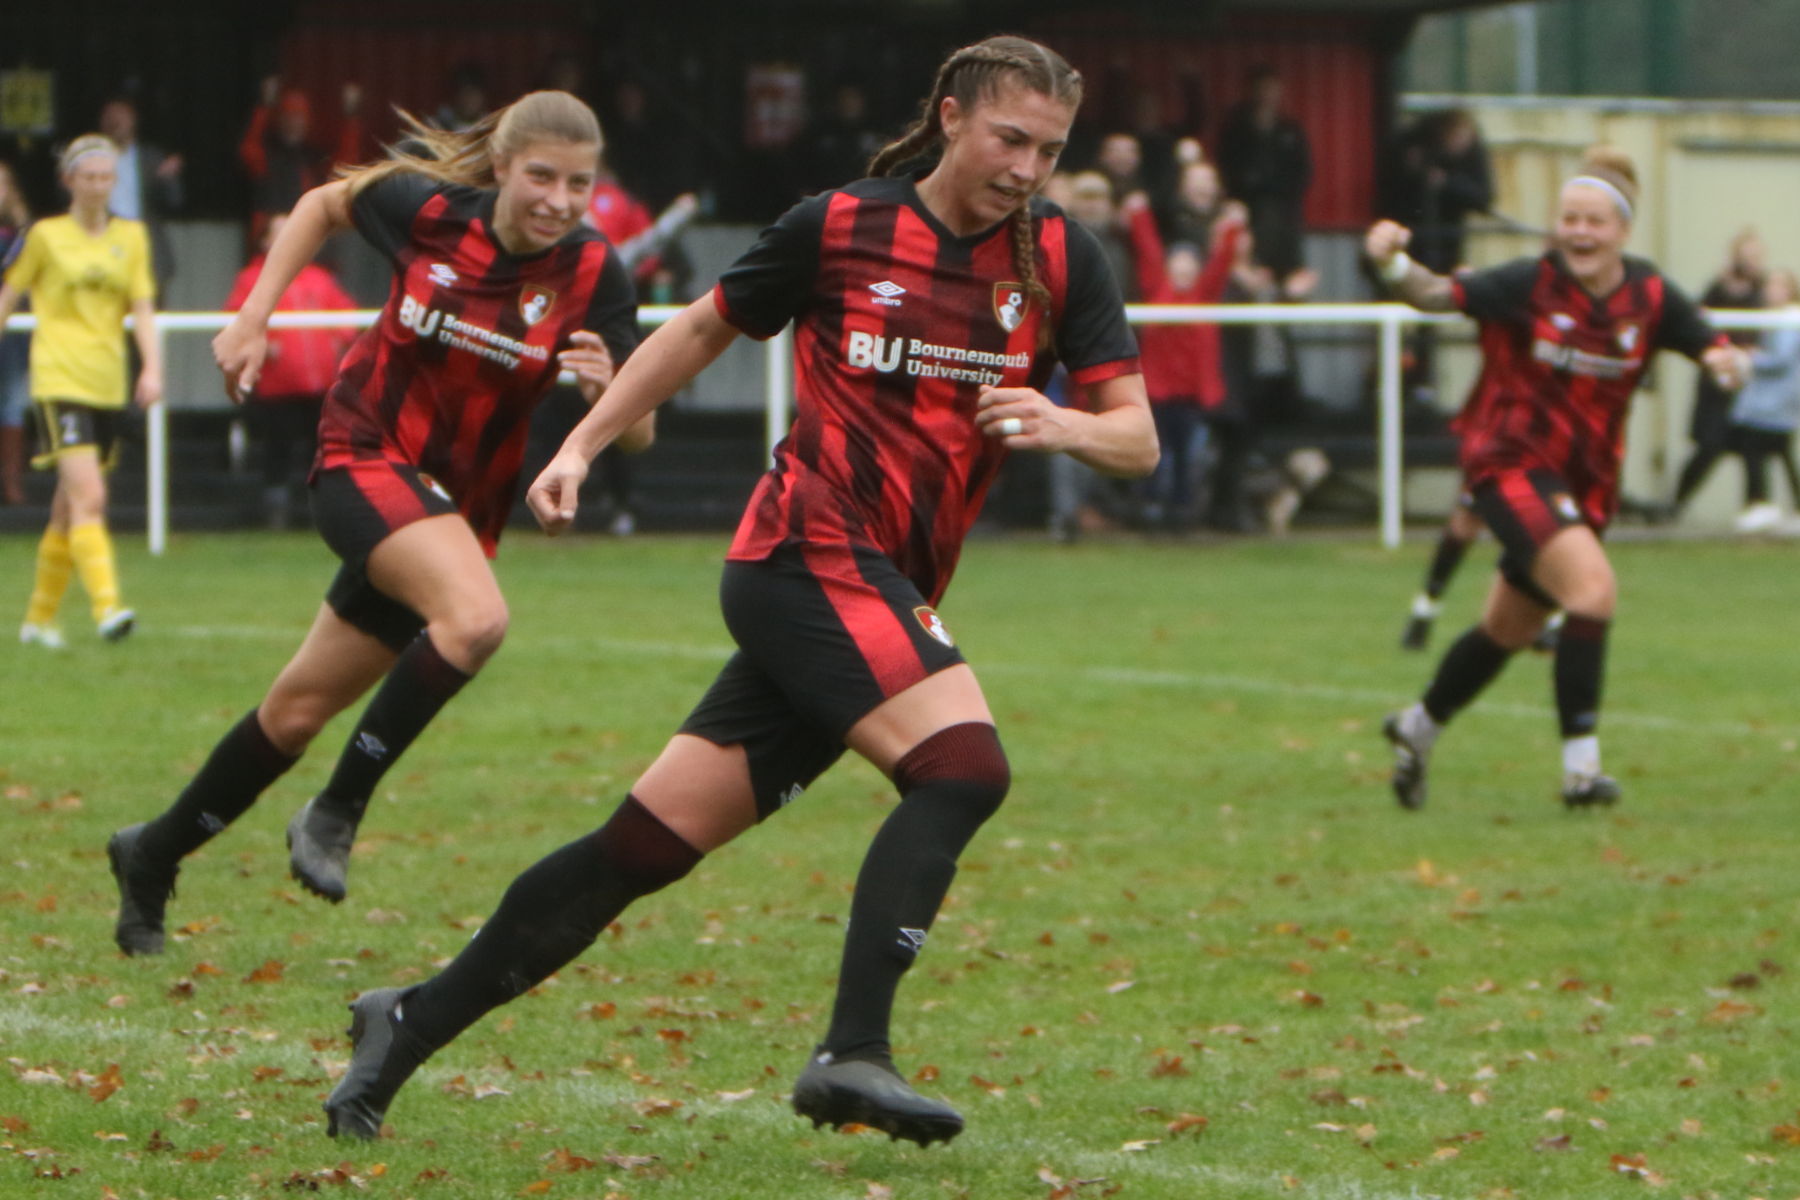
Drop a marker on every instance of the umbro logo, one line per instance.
(442, 274)
(887, 292)
(371, 745)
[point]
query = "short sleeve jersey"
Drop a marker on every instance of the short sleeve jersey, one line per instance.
(898, 324)
(447, 378)
(1560, 366)
(82, 285)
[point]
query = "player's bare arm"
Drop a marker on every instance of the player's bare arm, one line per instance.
(1117, 438)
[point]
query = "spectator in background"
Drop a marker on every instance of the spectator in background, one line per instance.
(283, 410)
(1765, 414)
(15, 348)
(1075, 488)
(149, 184)
(640, 243)
(1739, 285)
(1262, 378)
(285, 155)
(1197, 203)
(1266, 162)
(644, 146)
(1121, 161)
(1438, 175)
(1181, 363)
(468, 100)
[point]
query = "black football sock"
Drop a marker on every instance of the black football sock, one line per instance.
(1444, 561)
(240, 767)
(418, 685)
(1469, 665)
(949, 784)
(1580, 667)
(549, 915)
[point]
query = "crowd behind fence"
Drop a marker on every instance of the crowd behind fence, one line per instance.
(1387, 319)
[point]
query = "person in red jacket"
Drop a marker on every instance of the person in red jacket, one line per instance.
(1182, 370)
(283, 411)
(286, 155)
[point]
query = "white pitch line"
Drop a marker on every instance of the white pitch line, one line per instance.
(1370, 698)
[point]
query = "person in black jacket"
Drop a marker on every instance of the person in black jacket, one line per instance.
(1266, 162)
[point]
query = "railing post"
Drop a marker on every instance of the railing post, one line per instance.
(778, 384)
(1390, 421)
(156, 459)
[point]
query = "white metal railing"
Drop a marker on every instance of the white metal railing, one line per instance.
(1389, 321)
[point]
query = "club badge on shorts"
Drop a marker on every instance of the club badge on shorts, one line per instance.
(1009, 305)
(1565, 504)
(934, 625)
(535, 302)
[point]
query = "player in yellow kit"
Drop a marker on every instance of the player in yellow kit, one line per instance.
(85, 271)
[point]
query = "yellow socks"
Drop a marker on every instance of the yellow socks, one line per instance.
(53, 568)
(91, 548)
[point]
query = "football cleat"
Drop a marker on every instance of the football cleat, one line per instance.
(1590, 791)
(47, 636)
(144, 891)
(383, 1056)
(858, 1092)
(1417, 632)
(1409, 764)
(319, 840)
(115, 624)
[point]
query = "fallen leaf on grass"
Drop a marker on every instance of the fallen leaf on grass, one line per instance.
(656, 1108)
(1633, 1166)
(1138, 1147)
(1547, 1145)
(564, 1159)
(270, 972)
(109, 1082)
(1188, 1123)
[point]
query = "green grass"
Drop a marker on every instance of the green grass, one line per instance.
(1199, 901)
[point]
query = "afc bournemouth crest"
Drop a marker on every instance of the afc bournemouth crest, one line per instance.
(535, 302)
(1628, 338)
(1009, 305)
(933, 624)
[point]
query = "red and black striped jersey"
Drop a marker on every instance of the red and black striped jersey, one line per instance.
(898, 324)
(447, 378)
(1560, 366)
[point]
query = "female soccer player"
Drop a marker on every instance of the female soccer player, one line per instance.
(85, 271)
(496, 283)
(1565, 338)
(929, 310)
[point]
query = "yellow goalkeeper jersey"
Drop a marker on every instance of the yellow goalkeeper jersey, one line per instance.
(82, 285)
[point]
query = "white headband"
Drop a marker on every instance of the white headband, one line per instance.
(88, 153)
(1618, 197)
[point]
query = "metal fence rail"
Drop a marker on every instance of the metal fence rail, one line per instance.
(1389, 322)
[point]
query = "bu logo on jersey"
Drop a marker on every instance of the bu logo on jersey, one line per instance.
(418, 318)
(1009, 305)
(535, 302)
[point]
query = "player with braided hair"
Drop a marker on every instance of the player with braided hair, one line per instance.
(925, 307)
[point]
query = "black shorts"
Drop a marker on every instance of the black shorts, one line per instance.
(355, 508)
(72, 425)
(1524, 510)
(825, 635)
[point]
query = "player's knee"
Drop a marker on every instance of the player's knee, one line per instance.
(471, 635)
(293, 720)
(967, 762)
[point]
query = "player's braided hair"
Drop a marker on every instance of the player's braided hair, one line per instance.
(467, 156)
(973, 74)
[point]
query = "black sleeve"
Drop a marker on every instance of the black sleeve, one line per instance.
(1501, 293)
(772, 283)
(1684, 328)
(612, 312)
(383, 212)
(1091, 329)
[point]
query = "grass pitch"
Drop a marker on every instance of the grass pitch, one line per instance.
(1199, 953)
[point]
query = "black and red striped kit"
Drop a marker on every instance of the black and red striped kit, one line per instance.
(1558, 372)
(437, 395)
(897, 325)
